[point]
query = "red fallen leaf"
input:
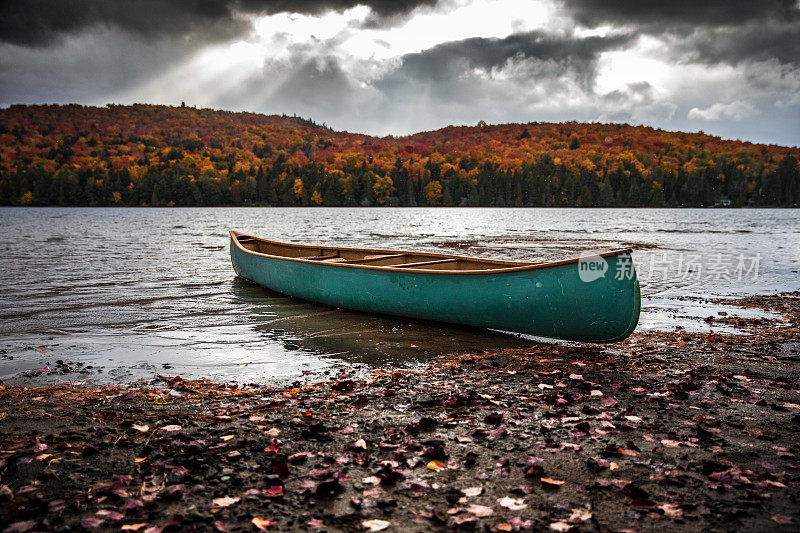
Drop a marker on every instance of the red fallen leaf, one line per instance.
(551, 482)
(90, 523)
(463, 440)
(499, 432)
(315, 523)
(274, 446)
(274, 491)
(173, 492)
(299, 457)
(721, 476)
(111, 515)
(39, 446)
(504, 526)
(781, 519)
(262, 523)
(360, 444)
(20, 527)
(171, 427)
(348, 429)
(318, 473)
(132, 504)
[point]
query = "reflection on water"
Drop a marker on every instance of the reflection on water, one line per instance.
(134, 292)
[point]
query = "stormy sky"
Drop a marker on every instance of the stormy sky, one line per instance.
(731, 68)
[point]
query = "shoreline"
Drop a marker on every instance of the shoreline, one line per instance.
(674, 430)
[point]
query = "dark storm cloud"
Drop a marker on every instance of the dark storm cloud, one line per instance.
(44, 22)
(753, 42)
(446, 61)
(676, 13)
(710, 31)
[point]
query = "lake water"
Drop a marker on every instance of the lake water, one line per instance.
(122, 294)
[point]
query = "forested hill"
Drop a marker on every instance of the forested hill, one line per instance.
(163, 156)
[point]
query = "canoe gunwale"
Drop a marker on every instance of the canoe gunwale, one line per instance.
(503, 266)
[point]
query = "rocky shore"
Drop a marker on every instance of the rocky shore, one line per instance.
(665, 431)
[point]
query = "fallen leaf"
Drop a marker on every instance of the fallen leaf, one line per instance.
(671, 510)
(20, 527)
(262, 523)
(472, 491)
(375, 525)
(142, 429)
(90, 522)
(480, 510)
(560, 526)
(552, 482)
(436, 465)
(514, 504)
(225, 501)
(579, 515)
(172, 427)
(781, 519)
(133, 527)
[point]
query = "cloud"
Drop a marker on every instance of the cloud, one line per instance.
(657, 15)
(711, 31)
(755, 41)
(47, 22)
(734, 110)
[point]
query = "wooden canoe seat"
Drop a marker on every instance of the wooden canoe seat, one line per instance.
(423, 263)
(368, 258)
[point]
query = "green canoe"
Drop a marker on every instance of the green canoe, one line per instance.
(591, 298)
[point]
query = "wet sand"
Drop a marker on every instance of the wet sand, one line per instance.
(677, 431)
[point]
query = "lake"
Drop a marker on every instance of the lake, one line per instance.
(118, 294)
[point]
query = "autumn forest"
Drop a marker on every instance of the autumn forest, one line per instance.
(146, 155)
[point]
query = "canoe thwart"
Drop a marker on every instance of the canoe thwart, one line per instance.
(424, 263)
(370, 258)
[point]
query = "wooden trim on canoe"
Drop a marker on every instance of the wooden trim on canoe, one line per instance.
(422, 263)
(503, 266)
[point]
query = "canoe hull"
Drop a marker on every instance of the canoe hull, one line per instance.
(549, 302)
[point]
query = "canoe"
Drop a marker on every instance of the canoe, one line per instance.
(589, 298)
